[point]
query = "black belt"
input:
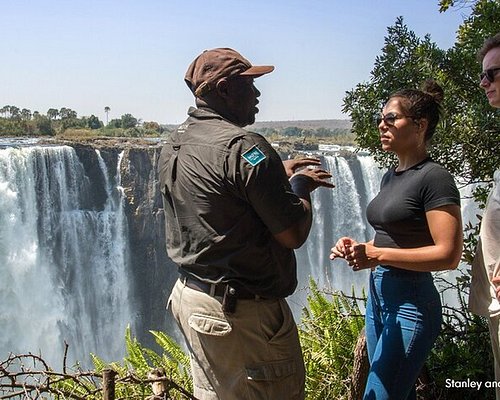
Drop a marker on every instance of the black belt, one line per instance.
(218, 289)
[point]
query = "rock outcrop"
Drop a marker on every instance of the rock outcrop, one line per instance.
(152, 272)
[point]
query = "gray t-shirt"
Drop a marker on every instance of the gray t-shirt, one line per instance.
(225, 194)
(397, 213)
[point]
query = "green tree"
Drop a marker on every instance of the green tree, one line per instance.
(468, 135)
(114, 123)
(406, 61)
(152, 126)
(26, 114)
(129, 121)
(66, 113)
(52, 113)
(472, 122)
(72, 122)
(446, 4)
(93, 122)
(292, 131)
(5, 110)
(43, 125)
(15, 112)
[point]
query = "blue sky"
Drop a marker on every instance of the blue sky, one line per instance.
(131, 55)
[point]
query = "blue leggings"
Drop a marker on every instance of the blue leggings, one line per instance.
(403, 320)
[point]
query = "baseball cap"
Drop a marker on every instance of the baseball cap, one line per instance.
(212, 65)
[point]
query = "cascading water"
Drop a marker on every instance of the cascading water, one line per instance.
(30, 309)
(341, 212)
(65, 239)
(63, 265)
(337, 212)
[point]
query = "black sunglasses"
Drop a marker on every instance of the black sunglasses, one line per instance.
(489, 74)
(390, 118)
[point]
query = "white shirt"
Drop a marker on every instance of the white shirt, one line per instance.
(486, 264)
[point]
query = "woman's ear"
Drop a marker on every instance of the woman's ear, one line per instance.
(422, 125)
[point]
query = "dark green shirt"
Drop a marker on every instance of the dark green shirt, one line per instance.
(225, 194)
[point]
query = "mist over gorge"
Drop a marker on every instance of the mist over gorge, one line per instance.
(82, 249)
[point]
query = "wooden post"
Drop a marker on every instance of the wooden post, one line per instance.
(425, 386)
(360, 369)
(108, 384)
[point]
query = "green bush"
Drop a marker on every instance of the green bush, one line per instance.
(329, 330)
(462, 351)
(328, 333)
(131, 380)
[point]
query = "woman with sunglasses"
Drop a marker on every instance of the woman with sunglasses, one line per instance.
(418, 229)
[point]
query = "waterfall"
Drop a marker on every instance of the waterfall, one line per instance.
(341, 212)
(63, 264)
(337, 212)
(69, 230)
(30, 308)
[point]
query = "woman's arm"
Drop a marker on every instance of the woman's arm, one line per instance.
(445, 225)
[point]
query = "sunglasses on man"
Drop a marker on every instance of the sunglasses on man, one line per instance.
(489, 74)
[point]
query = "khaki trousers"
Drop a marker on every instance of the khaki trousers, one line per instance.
(251, 354)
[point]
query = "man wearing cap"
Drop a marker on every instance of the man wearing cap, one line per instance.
(234, 213)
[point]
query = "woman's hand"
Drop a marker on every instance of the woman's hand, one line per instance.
(342, 248)
(362, 256)
(358, 255)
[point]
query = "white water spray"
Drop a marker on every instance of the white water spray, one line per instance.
(63, 266)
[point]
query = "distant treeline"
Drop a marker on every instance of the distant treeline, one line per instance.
(295, 131)
(15, 121)
(341, 136)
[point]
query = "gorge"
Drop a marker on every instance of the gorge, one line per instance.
(82, 251)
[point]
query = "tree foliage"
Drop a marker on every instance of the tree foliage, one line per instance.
(466, 142)
(467, 138)
(462, 351)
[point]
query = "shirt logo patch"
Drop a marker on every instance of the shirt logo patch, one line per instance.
(254, 155)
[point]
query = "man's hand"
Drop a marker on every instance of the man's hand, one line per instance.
(291, 166)
(317, 178)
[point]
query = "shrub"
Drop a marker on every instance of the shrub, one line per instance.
(328, 333)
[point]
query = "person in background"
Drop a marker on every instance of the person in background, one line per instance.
(418, 229)
(484, 297)
(234, 213)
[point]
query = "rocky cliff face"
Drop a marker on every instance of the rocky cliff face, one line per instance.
(152, 273)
